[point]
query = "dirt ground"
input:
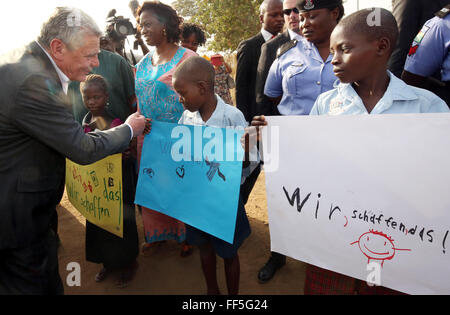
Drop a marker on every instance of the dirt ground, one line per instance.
(163, 272)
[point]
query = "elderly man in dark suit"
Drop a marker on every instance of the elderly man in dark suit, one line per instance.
(264, 106)
(37, 133)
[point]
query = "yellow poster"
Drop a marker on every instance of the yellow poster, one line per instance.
(96, 192)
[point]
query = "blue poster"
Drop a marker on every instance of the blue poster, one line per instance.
(193, 174)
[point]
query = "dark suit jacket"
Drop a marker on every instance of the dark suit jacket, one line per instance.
(37, 133)
(411, 15)
(264, 105)
(247, 62)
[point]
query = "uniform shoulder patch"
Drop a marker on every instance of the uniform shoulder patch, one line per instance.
(417, 40)
(419, 37)
(443, 12)
(285, 47)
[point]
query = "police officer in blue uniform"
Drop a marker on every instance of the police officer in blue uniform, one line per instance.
(303, 69)
(411, 15)
(428, 62)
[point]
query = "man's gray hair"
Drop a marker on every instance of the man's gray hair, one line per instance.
(68, 25)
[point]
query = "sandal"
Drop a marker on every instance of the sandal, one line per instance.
(101, 275)
(127, 275)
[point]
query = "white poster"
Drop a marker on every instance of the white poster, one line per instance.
(346, 192)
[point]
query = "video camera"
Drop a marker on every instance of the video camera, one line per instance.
(118, 27)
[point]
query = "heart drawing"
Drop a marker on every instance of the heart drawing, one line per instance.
(181, 172)
(149, 172)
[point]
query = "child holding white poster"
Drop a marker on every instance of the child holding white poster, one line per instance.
(194, 82)
(102, 247)
(362, 44)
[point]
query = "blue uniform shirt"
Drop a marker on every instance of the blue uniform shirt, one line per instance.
(300, 75)
(430, 51)
(399, 98)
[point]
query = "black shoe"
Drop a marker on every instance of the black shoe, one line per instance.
(270, 268)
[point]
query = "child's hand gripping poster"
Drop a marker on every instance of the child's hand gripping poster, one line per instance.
(96, 192)
(193, 174)
(365, 196)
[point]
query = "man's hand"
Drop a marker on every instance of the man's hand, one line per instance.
(139, 124)
(148, 126)
(258, 122)
(252, 134)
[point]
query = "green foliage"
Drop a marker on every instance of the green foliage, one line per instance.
(185, 8)
(226, 22)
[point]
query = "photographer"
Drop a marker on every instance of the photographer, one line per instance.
(117, 30)
(107, 44)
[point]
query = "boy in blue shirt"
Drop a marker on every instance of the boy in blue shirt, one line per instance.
(194, 82)
(360, 60)
(361, 51)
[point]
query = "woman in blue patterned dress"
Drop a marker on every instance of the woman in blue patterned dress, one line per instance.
(160, 26)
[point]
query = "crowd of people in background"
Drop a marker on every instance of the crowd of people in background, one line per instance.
(308, 59)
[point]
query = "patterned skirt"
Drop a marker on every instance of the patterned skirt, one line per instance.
(325, 282)
(160, 227)
(157, 226)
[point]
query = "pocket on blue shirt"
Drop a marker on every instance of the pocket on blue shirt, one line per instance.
(294, 75)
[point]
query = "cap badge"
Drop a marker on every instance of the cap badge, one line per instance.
(309, 5)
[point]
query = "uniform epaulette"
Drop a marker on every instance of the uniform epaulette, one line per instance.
(285, 47)
(443, 12)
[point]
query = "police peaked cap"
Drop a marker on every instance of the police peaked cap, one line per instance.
(308, 5)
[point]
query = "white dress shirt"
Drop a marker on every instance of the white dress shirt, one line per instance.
(294, 35)
(62, 77)
(267, 35)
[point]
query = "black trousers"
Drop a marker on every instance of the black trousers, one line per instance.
(247, 186)
(246, 189)
(443, 92)
(32, 270)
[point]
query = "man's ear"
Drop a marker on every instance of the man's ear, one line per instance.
(203, 87)
(384, 46)
(261, 19)
(57, 49)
